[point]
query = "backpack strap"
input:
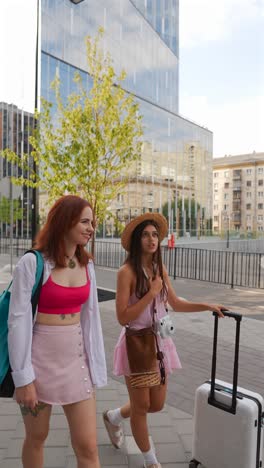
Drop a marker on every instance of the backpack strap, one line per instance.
(38, 279)
(8, 287)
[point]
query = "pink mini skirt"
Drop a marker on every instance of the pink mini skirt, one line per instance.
(121, 365)
(60, 364)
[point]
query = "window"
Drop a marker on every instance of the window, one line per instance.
(248, 194)
(249, 171)
(260, 228)
(216, 198)
(226, 196)
(215, 218)
(260, 194)
(260, 206)
(226, 174)
(248, 183)
(260, 182)
(215, 174)
(248, 217)
(215, 186)
(260, 170)
(226, 207)
(260, 217)
(215, 207)
(226, 185)
(248, 228)
(248, 206)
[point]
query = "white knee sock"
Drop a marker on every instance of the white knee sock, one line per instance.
(149, 457)
(115, 416)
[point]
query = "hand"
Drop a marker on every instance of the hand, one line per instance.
(156, 285)
(218, 308)
(27, 396)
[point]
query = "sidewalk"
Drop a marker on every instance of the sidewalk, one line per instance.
(171, 430)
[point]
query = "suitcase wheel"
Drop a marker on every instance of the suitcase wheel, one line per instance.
(194, 463)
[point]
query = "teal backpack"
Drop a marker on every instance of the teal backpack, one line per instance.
(6, 381)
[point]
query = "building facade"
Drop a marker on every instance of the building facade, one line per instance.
(15, 128)
(238, 194)
(142, 37)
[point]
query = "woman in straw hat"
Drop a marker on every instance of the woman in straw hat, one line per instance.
(143, 290)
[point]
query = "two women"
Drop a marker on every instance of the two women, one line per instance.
(143, 291)
(59, 359)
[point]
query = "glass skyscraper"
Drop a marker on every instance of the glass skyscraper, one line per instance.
(163, 15)
(142, 37)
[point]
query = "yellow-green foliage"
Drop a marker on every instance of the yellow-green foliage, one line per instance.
(92, 142)
(5, 208)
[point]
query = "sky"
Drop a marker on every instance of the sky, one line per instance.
(17, 56)
(222, 71)
(221, 66)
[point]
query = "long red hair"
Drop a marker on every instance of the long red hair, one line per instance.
(63, 215)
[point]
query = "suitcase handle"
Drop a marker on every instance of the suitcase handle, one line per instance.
(212, 400)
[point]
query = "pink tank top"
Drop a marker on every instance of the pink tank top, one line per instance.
(145, 318)
(57, 299)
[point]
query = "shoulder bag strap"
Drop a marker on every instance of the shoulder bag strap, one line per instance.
(160, 355)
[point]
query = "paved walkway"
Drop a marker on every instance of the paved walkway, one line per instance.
(171, 430)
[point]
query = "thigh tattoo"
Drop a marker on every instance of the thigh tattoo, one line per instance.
(34, 412)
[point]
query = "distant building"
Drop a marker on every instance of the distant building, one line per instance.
(238, 193)
(15, 128)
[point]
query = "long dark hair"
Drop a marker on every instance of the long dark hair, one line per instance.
(63, 215)
(135, 261)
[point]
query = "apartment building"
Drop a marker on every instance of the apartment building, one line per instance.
(238, 193)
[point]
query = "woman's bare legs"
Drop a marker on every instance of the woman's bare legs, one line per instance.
(81, 417)
(125, 410)
(143, 401)
(37, 428)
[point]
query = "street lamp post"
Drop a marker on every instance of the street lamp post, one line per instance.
(227, 233)
(34, 213)
(227, 219)
(11, 222)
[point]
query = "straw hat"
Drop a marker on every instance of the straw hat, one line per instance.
(159, 219)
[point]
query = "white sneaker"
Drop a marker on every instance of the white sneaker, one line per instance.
(115, 433)
(153, 465)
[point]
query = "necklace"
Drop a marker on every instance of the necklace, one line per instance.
(152, 271)
(71, 263)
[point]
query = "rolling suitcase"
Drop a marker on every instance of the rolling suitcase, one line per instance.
(227, 419)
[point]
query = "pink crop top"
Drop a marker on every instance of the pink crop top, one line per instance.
(57, 299)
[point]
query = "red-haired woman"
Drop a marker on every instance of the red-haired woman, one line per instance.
(58, 360)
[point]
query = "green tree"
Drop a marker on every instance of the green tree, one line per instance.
(191, 224)
(94, 138)
(5, 210)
